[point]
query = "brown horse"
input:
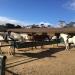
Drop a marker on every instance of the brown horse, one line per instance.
(40, 38)
(43, 37)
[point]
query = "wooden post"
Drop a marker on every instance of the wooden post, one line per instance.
(2, 64)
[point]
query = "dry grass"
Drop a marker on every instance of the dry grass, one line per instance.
(47, 61)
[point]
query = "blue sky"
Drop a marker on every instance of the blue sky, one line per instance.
(37, 11)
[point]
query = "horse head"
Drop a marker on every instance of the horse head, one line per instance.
(64, 36)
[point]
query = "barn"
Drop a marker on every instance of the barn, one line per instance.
(49, 31)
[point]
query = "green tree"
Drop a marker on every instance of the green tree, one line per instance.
(18, 26)
(9, 25)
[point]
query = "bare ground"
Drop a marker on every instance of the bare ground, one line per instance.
(47, 61)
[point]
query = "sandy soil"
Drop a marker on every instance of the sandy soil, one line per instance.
(47, 61)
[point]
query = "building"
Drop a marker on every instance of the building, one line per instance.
(50, 31)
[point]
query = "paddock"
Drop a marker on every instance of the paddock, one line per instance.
(17, 44)
(47, 61)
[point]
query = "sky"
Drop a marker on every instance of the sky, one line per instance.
(27, 12)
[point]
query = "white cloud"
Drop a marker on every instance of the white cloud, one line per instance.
(70, 4)
(45, 23)
(4, 20)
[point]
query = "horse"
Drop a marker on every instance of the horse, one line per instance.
(1, 39)
(8, 38)
(20, 37)
(55, 39)
(12, 37)
(15, 36)
(25, 37)
(67, 40)
(40, 38)
(43, 37)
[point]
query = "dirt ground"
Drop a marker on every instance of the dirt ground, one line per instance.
(47, 61)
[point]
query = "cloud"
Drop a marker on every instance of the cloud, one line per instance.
(45, 23)
(70, 4)
(4, 20)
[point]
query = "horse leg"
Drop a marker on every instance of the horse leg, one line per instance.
(35, 47)
(57, 45)
(0, 48)
(11, 48)
(67, 46)
(0, 51)
(42, 46)
(10, 51)
(31, 48)
(73, 44)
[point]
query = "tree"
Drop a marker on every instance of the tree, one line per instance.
(9, 25)
(62, 23)
(43, 26)
(35, 26)
(2, 28)
(49, 26)
(71, 24)
(18, 26)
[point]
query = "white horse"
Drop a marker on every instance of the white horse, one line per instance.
(24, 37)
(53, 38)
(1, 39)
(15, 36)
(20, 37)
(8, 38)
(67, 40)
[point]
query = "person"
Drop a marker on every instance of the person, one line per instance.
(9, 33)
(5, 35)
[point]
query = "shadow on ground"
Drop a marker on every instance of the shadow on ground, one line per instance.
(43, 54)
(32, 57)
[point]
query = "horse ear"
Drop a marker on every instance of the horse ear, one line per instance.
(68, 36)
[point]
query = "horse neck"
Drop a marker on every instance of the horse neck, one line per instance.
(64, 36)
(54, 37)
(1, 37)
(24, 36)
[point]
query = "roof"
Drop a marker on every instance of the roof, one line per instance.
(41, 30)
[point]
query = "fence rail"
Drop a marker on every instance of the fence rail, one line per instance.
(32, 44)
(16, 44)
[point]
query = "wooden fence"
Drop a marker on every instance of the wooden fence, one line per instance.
(16, 44)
